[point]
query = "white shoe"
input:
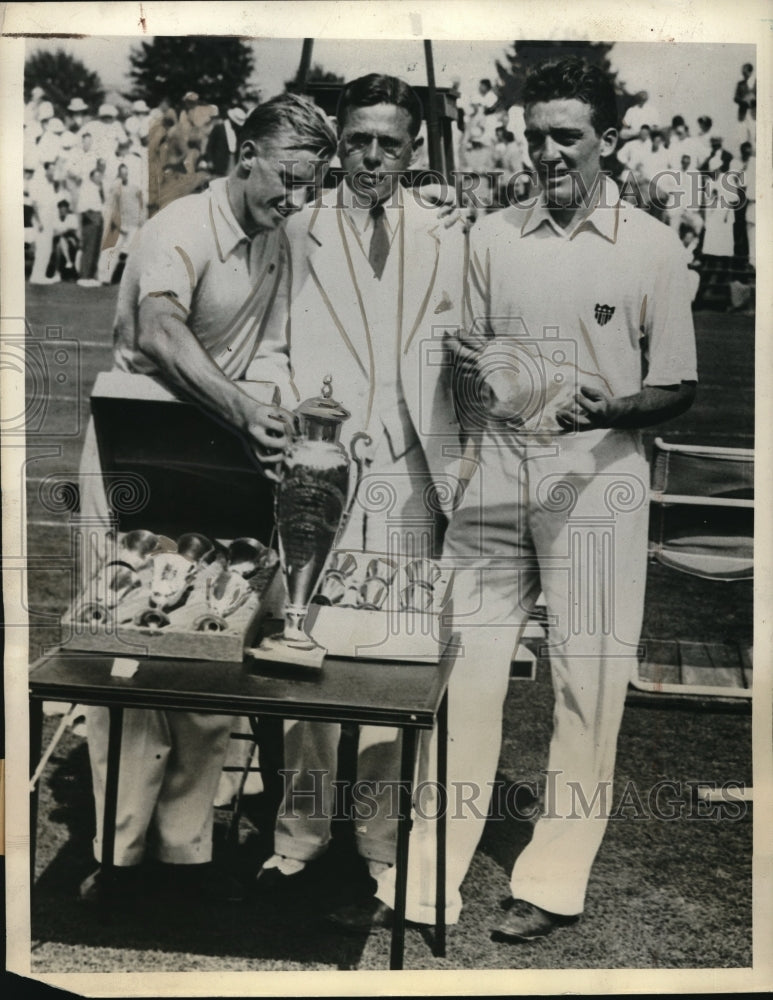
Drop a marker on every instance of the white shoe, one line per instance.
(287, 866)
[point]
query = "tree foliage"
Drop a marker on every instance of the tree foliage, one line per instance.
(62, 77)
(317, 74)
(216, 68)
(525, 55)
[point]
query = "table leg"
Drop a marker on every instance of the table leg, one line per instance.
(111, 793)
(269, 736)
(442, 804)
(405, 795)
(36, 743)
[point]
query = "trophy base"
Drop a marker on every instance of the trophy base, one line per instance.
(300, 653)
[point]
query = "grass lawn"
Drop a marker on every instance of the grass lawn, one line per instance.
(663, 894)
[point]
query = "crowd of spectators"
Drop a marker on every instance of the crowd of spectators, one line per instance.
(92, 175)
(695, 180)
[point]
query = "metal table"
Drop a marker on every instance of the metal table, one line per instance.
(408, 696)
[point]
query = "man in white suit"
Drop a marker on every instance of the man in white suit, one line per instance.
(377, 279)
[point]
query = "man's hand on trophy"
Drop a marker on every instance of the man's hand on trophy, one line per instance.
(270, 431)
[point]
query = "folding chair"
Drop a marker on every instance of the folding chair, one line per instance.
(701, 523)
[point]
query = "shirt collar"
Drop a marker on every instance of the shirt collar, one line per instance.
(228, 233)
(360, 217)
(602, 217)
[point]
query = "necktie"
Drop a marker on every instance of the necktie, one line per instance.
(379, 241)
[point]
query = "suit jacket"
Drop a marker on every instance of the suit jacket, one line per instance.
(328, 332)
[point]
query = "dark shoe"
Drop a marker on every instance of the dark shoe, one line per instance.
(527, 922)
(359, 918)
(122, 886)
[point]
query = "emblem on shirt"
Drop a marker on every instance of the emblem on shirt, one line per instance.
(603, 314)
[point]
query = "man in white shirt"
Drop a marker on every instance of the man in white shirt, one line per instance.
(49, 146)
(194, 307)
(44, 194)
(124, 213)
(80, 162)
(657, 159)
(579, 332)
(683, 191)
(643, 112)
(107, 132)
(634, 153)
(137, 120)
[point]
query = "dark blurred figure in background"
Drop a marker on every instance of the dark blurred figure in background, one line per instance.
(223, 142)
(746, 93)
(91, 200)
(66, 241)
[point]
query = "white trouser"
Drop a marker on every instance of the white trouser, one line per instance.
(573, 524)
(170, 761)
(44, 242)
(389, 516)
(169, 770)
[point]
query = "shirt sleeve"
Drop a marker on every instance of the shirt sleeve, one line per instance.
(270, 365)
(168, 264)
(667, 325)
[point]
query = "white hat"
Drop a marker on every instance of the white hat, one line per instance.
(56, 125)
(238, 116)
(45, 111)
(77, 104)
(107, 111)
(140, 107)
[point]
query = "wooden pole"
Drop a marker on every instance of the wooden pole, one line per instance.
(305, 65)
(436, 159)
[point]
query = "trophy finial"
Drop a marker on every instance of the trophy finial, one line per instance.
(327, 386)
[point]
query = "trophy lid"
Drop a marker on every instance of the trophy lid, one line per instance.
(321, 416)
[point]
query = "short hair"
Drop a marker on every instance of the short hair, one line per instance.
(486, 81)
(705, 122)
(748, 66)
(295, 120)
(378, 88)
(574, 78)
